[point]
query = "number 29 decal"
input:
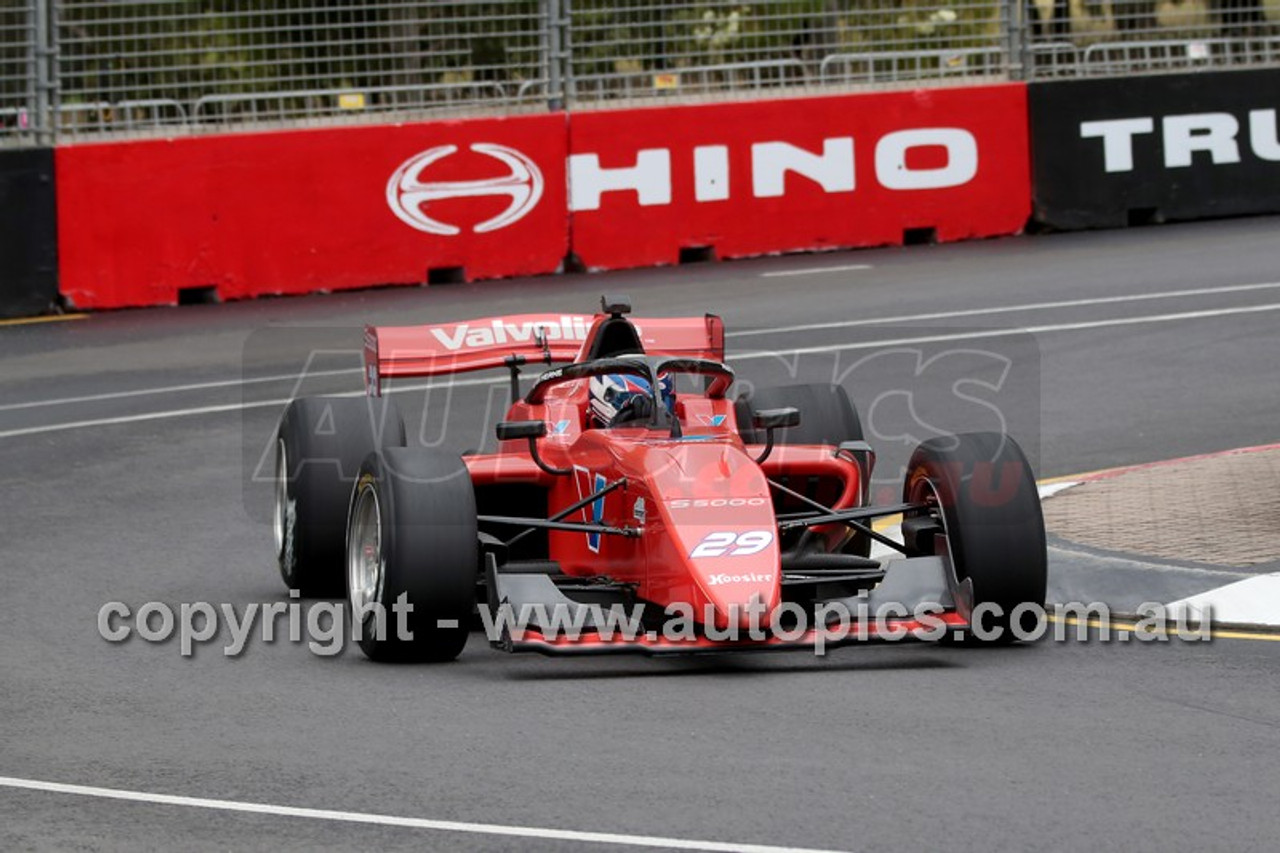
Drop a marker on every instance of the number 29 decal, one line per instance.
(729, 543)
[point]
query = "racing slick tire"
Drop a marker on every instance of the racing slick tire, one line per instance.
(320, 444)
(827, 416)
(983, 496)
(412, 541)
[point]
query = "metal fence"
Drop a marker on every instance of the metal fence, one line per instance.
(71, 68)
(1117, 37)
(18, 42)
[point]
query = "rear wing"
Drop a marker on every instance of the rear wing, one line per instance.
(492, 342)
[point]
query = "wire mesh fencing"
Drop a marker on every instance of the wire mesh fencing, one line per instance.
(650, 47)
(73, 68)
(18, 109)
(1119, 37)
(222, 62)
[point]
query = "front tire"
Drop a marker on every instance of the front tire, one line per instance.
(412, 542)
(981, 494)
(320, 444)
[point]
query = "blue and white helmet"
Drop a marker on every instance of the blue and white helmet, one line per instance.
(618, 398)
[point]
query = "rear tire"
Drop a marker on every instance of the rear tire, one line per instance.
(827, 416)
(984, 498)
(412, 539)
(320, 444)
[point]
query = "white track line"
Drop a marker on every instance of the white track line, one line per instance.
(814, 271)
(746, 356)
(1008, 309)
(391, 820)
(1253, 601)
(233, 407)
(841, 324)
(1048, 490)
(1004, 333)
(175, 389)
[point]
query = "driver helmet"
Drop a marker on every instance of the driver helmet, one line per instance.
(618, 398)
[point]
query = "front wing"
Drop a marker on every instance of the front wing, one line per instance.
(918, 598)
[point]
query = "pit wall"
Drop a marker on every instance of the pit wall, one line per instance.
(159, 222)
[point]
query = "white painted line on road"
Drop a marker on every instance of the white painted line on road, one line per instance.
(815, 270)
(868, 321)
(175, 389)
(148, 416)
(1004, 333)
(1254, 601)
(232, 407)
(391, 820)
(1008, 309)
(781, 354)
(1048, 490)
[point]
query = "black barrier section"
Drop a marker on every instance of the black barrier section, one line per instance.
(28, 233)
(1130, 151)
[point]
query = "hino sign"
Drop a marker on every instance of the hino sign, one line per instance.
(832, 168)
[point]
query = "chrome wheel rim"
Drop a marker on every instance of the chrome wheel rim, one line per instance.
(279, 521)
(364, 551)
(924, 491)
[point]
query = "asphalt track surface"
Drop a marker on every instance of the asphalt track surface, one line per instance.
(138, 494)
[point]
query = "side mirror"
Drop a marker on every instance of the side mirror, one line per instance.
(531, 430)
(771, 419)
(511, 430)
(768, 419)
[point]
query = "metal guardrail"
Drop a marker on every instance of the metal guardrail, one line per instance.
(694, 80)
(124, 115)
(1053, 59)
(327, 103)
(895, 66)
(1180, 55)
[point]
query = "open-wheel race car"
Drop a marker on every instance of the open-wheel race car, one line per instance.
(627, 481)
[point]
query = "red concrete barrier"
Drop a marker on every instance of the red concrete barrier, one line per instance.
(771, 176)
(309, 210)
(303, 211)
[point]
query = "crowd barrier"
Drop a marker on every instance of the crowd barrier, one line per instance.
(1115, 152)
(28, 233)
(739, 179)
(232, 216)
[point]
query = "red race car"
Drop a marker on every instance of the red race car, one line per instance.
(633, 506)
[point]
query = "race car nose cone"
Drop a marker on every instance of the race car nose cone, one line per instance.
(744, 608)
